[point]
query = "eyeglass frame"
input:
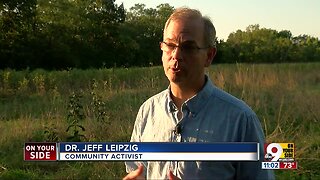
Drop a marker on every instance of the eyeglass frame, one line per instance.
(196, 47)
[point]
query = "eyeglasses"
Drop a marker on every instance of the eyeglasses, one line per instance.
(186, 48)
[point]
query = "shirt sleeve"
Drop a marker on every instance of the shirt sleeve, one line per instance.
(252, 132)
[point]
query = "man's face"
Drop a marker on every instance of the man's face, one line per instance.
(184, 66)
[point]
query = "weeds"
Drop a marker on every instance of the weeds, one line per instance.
(51, 134)
(39, 83)
(98, 106)
(75, 116)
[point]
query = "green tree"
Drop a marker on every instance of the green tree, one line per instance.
(81, 33)
(143, 29)
(260, 45)
(17, 21)
(60, 33)
(305, 48)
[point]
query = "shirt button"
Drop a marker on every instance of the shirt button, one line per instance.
(178, 138)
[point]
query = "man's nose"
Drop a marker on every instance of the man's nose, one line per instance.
(177, 53)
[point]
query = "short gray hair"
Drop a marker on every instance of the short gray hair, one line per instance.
(187, 13)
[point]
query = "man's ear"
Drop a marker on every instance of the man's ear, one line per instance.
(211, 53)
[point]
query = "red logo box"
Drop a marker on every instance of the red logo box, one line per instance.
(40, 151)
(288, 165)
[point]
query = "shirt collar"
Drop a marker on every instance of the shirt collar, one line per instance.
(196, 102)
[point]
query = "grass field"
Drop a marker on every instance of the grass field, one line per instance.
(40, 105)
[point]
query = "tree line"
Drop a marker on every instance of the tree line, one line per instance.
(61, 34)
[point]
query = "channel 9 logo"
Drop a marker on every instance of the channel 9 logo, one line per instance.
(279, 152)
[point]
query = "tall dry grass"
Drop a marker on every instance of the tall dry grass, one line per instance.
(284, 96)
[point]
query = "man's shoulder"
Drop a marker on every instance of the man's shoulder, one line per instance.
(157, 99)
(225, 99)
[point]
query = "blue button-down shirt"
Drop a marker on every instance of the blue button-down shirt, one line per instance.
(212, 115)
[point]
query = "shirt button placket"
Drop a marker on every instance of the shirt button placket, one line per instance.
(178, 137)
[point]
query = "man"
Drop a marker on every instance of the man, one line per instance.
(192, 109)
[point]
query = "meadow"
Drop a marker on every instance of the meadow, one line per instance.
(101, 105)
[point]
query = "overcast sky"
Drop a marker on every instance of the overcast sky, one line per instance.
(298, 16)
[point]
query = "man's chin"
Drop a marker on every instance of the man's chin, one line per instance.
(175, 79)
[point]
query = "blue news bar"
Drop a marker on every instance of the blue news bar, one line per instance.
(152, 147)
